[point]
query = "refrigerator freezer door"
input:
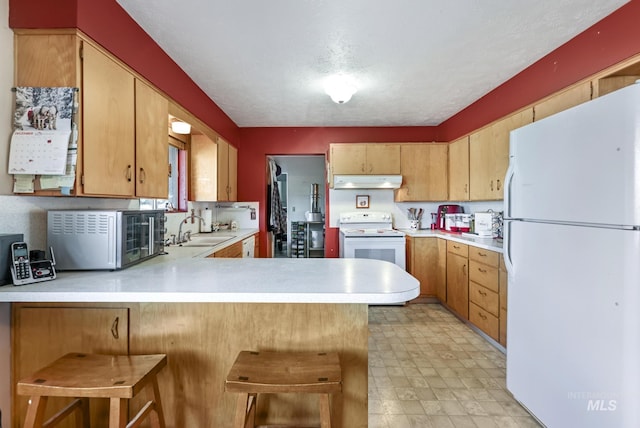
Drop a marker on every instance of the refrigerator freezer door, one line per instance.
(574, 345)
(580, 165)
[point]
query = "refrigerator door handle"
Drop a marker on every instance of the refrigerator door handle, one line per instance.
(506, 250)
(507, 190)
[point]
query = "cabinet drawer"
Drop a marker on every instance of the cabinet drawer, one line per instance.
(483, 297)
(457, 248)
(484, 275)
(484, 321)
(484, 256)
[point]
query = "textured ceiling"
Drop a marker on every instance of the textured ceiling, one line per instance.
(415, 62)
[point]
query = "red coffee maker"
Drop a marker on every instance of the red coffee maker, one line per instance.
(446, 209)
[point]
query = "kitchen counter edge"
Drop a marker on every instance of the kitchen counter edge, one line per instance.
(487, 244)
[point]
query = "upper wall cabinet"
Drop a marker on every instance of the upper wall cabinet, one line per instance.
(122, 143)
(214, 175)
(572, 97)
(365, 159)
(152, 171)
(459, 170)
(489, 156)
(424, 172)
(625, 75)
(227, 171)
(108, 103)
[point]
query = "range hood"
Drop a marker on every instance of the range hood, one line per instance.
(367, 181)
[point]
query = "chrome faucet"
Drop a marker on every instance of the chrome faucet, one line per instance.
(187, 235)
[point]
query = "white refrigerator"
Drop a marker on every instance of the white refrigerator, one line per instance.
(572, 250)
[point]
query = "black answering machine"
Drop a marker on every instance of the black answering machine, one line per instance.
(26, 271)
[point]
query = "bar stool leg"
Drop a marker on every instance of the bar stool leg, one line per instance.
(245, 411)
(83, 418)
(325, 411)
(35, 412)
(157, 417)
(117, 413)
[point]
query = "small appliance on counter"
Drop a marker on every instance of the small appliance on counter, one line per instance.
(488, 224)
(104, 239)
(6, 239)
(443, 210)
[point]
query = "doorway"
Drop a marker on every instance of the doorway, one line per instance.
(298, 174)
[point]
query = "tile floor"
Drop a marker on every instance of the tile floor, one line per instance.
(427, 369)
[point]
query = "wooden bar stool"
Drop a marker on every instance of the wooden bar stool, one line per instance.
(85, 376)
(256, 373)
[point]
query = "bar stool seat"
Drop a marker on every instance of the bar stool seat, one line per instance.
(85, 376)
(256, 373)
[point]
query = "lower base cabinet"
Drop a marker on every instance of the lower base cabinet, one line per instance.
(44, 334)
(201, 341)
(426, 260)
(458, 278)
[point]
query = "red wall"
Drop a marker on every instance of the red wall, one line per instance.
(609, 41)
(258, 143)
(614, 39)
(109, 25)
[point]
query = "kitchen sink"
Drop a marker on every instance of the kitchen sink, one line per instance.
(207, 241)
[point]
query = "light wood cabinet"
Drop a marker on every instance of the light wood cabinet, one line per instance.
(562, 101)
(489, 156)
(424, 257)
(152, 170)
(484, 289)
(43, 334)
(364, 158)
(227, 165)
(424, 172)
(459, 170)
(233, 251)
(108, 105)
(117, 112)
(458, 278)
(214, 170)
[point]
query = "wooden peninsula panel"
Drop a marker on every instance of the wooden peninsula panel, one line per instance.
(201, 341)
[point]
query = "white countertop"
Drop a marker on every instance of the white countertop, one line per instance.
(486, 243)
(185, 275)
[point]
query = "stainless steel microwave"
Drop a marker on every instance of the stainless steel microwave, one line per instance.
(104, 239)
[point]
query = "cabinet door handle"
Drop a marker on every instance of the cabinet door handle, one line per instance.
(491, 185)
(482, 254)
(128, 172)
(464, 269)
(482, 270)
(169, 170)
(466, 188)
(456, 247)
(498, 183)
(482, 293)
(114, 328)
(143, 175)
(484, 317)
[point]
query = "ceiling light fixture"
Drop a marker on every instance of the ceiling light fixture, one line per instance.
(340, 88)
(180, 127)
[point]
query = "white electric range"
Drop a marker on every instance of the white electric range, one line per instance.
(370, 235)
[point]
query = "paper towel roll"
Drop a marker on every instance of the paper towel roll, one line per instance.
(205, 226)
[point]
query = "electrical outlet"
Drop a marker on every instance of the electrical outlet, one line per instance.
(253, 214)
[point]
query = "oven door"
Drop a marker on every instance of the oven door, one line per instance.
(391, 249)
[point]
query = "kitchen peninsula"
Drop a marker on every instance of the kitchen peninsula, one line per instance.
(201, 312)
